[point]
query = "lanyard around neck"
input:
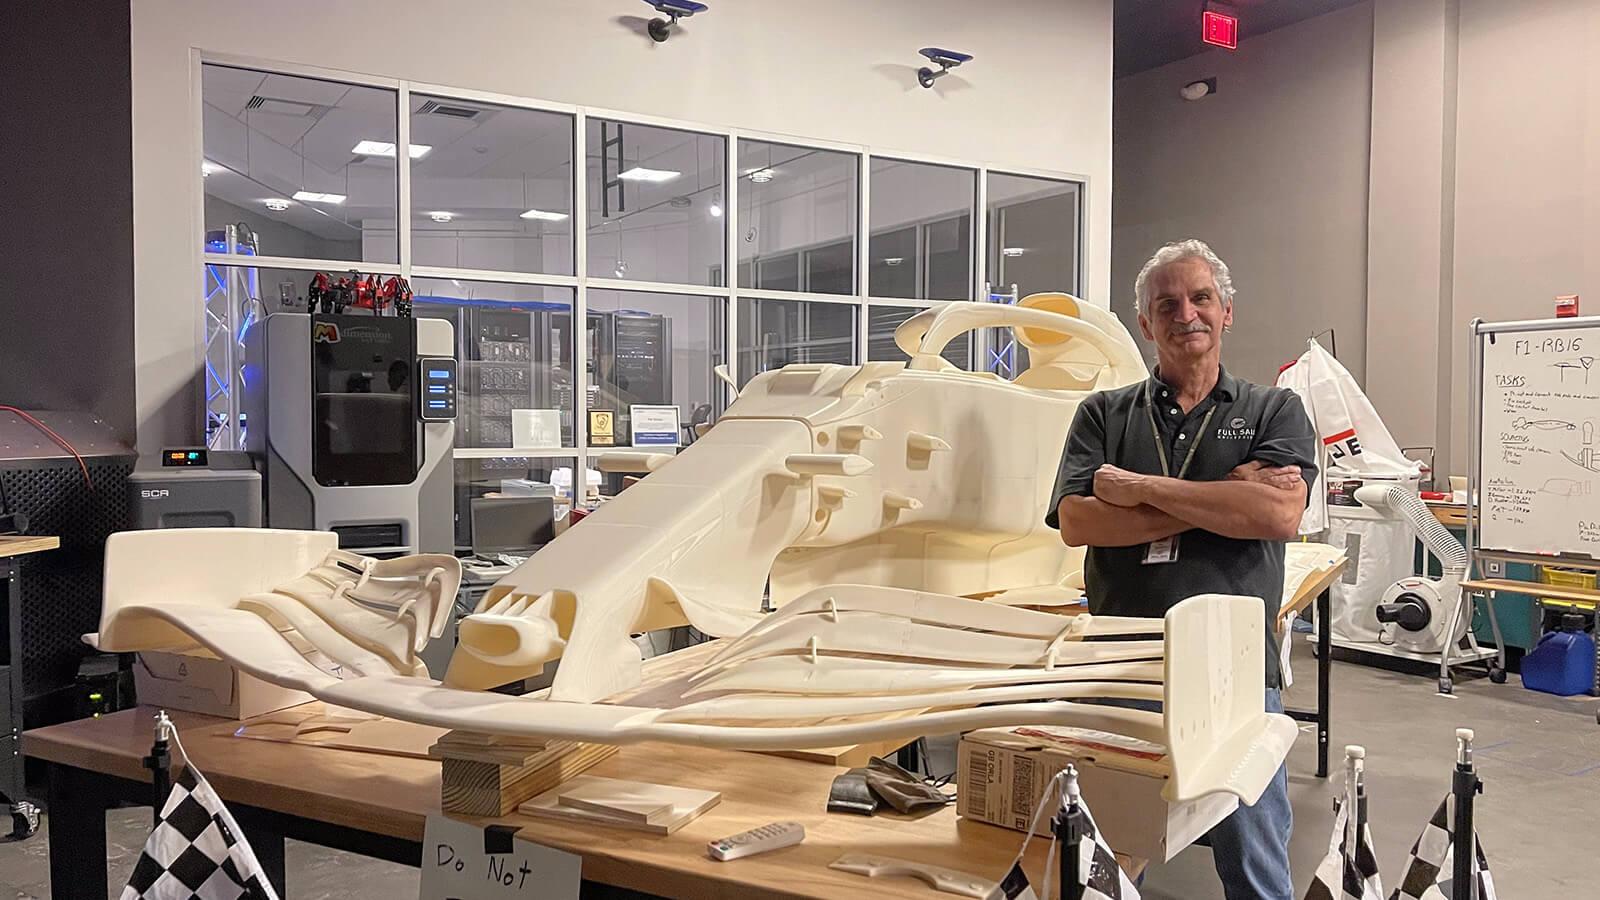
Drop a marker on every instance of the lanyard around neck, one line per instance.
(1155, 433)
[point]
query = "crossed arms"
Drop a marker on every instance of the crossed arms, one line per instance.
(1256, 501)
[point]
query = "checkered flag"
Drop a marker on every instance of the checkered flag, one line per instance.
(1344, 875)
(196, 851)
(1102, 878)
(1430, 865)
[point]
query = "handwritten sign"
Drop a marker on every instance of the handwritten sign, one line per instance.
(1540, 439)
(462, 861)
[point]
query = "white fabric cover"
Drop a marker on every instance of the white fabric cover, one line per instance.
(1353, 437)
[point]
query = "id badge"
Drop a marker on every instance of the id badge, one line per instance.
(1162, 551)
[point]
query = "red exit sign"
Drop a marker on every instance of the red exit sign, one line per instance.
(1219, 29)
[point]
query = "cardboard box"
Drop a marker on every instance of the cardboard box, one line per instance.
(1004, 772)
(204, 684)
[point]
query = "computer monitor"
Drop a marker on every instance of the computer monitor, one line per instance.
(516, 525)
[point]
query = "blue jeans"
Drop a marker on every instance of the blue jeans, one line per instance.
(1251, 847)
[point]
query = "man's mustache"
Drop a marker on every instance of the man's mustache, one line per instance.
(1195, 327)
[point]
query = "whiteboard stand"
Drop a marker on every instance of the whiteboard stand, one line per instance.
(1533, 454)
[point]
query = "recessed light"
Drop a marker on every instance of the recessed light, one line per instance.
(655, 176)
(207, 168)
(715, 209)
(543, 216)
(318, 197)
(1012, 251)
(762, 176)
(441, 216)
(276, 204)
(893, 260)
(386, 148)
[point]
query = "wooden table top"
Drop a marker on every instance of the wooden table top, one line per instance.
(19, 544)
(393, 796)
(1533, 589)
(1309, 591)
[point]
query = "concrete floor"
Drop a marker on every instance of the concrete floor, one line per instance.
(1539, 757)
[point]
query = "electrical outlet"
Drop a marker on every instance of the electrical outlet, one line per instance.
(1494, 568)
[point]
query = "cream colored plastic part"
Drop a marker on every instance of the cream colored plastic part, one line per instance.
(875, 498)
(949, 881)
(632, 461)
(236, 592)
(914, 662)
(926, 478)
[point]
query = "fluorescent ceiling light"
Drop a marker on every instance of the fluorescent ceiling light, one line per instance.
(441, 216)
(1012, 251)
(762, 176)
(386, 148)
(276, 204)
(654, 176)
(715, 209)
(543, 216)
(318, 197)
(207, 167)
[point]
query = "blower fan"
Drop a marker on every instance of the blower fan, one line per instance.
(1423, 615)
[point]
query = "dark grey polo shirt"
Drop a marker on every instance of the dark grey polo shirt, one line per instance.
(1251, 422)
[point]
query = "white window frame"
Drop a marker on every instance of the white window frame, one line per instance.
(581, 282)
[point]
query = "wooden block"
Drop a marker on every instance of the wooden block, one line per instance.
(632, 801)
(476, 788)
(687, 804)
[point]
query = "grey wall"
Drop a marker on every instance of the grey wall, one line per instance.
(1393, 181)
(1271, 171)
(66, 236)
(1527, 185)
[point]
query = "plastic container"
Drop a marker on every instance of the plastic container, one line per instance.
(1562, 662)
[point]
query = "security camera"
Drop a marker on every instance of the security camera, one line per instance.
(674, 10)
(1195, 90)
(946, 59)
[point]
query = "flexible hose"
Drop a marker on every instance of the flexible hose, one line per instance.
(1437, 538)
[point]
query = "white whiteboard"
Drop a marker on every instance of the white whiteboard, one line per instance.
(1539, 476)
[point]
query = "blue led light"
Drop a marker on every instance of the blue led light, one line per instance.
(438, 373)
(437, 389)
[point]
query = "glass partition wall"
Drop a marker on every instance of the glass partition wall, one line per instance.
(679, 247)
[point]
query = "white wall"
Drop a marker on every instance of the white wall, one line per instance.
(740, 65)
(1271, 171)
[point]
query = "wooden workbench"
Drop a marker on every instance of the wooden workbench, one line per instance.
(19, 544)
(378, 805)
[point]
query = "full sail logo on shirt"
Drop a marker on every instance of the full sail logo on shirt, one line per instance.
(1236, 430)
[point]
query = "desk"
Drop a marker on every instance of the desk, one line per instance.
(347, 800)
(11, 548)
(1318, 588)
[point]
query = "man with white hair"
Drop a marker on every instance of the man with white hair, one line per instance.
(1190, 483)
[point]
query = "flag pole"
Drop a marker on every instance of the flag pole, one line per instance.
(1355, 796)
(1068, 826)
(1464, 786)
(159, 763)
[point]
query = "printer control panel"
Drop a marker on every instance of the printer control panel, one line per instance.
(437, 383)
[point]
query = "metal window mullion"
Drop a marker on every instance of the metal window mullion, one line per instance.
(981, 338)
(730, 262)
(863, 251)
(580, 305)
(290, 262)
(402, 158)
